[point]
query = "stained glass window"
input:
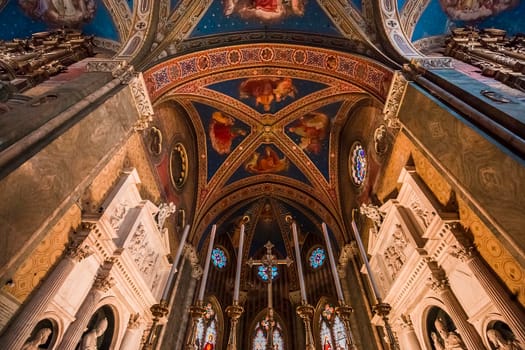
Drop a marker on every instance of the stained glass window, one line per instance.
(332, 329)
(358, 164)
(317, 258)
(260, 338)
(262, 272)
(218, 257)
(206, 335)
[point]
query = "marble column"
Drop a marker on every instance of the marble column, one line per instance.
(133, 334)
(407, 335)
(439, 283)
(20, 329)
(103, 283)
(511, 312)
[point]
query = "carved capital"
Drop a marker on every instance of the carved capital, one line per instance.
(394, 99)
(135, 321)
(462, 253)
(103, 281)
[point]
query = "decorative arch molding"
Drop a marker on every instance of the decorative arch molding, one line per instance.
(366, 73)
(235, 199)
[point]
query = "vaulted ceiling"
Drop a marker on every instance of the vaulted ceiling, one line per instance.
(267, 100)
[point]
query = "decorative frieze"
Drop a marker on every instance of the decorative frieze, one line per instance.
(143, 104)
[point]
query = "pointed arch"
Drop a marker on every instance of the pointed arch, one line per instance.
(210, 328)
(329, 329)
(259, 327)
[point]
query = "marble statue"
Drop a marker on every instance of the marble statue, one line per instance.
(446, 340)
(499, 342)
(165, 210)
(373, 213)
(89, 340)
(40, 338)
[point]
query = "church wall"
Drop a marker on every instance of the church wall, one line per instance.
(489, 243)
(478, 169)
(35, 194)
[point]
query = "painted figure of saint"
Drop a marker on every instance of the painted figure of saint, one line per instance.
(313, 130)
(222, 132)
(268, 162)
(268, 10)
(210, 344)
(267, 90)
(69, 13)
(326, 344)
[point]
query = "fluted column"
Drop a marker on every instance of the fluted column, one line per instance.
(133, 334)
(439, 283)
(407, 335)
(20, 329)
(511, 312)
(103, 283)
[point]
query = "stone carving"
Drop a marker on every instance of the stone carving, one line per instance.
(498, 341)
(69, 13)
(142, 102)
(191, 255)
(144, 256)
(40, 338)
(393, 101)
(89, 340)
(446, 340)
(381, 140)
(119, 212)
(165, 210)
(32, 61)
(135, 321)
(373, 213)
(394, 254)
(424, 215)
(433, 63)
(495, 55)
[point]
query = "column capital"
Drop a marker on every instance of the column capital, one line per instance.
(438, 280)
(103, 280)
(135, 321)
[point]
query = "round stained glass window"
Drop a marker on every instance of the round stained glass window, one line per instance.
(358, 164)
(218, 257)
(264, 272)
(317, 258)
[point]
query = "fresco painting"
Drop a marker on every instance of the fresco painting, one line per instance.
(475, 10)
(222, 131)
(71, 13)
(266, 91)
(266, 10)
(267, 161)
(312, 129)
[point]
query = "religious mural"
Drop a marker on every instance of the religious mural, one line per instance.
(69, 13)
(266, 10)
(267, 161)
(222, 131)
(313, 129)
(266, 91)
(475, 10)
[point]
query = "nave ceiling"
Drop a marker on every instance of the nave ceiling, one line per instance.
(284, 113)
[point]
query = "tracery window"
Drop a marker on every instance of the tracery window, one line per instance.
(358, 164)
(207, 329)
(219, 258)
(260, 337)
(317, 258)
(332, 329)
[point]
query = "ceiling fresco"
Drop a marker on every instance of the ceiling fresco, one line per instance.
(440, 16)
(19, 19)
(245, 15)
